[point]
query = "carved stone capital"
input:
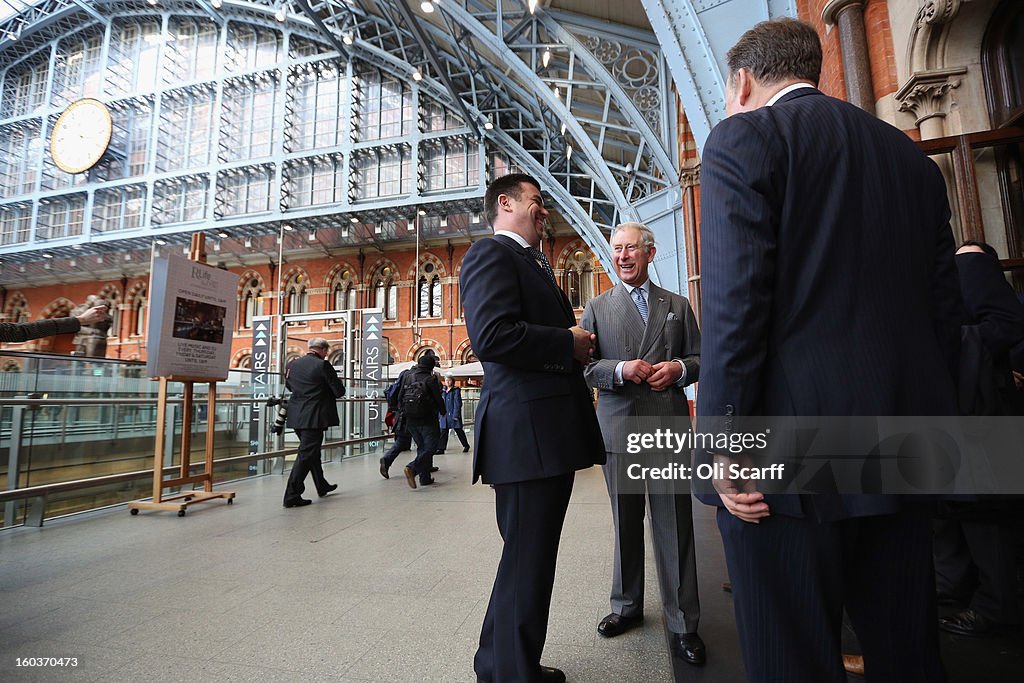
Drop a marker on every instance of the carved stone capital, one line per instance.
(690, 176)
(937, 12)
(926, 93)
(830, 13)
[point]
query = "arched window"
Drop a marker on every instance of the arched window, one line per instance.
(578, 278)
(245, 362)
(385, 294)
(336, 357)
(113, 299)
(1002, 54)
(343, 291)
(428, 291)
(17, 310)
(250, 303)
(139, 310)
(296, 299)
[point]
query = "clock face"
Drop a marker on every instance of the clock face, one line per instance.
(81, 135)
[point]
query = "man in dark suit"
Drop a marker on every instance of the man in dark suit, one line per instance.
(535, 423)
(312, 409)
(828, 289)
(648, 349)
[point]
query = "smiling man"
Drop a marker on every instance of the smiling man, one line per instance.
(535, 423)
(648, 349)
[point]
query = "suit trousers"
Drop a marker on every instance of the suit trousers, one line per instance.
(672, 531)
(792, 577)
(307, 461)
(530, 516)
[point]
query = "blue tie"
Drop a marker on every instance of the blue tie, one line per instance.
(641, 302)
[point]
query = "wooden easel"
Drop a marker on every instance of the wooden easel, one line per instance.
(181, 501)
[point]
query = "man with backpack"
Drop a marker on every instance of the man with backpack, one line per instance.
(419, 404)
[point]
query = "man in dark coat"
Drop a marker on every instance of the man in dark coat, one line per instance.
(535, 423)
(828, 289)
(312, 409)
(421, 420)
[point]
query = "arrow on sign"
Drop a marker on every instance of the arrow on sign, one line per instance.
(371, 335)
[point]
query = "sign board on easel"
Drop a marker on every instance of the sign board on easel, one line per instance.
(192, 316)
(372, 352)
(261, 345)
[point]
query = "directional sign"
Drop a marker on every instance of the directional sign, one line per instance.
(261, 336)
(372, 368)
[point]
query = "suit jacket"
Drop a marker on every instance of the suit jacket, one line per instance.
(827, 274)
(315, 389)
(671, 333)
(535, 418)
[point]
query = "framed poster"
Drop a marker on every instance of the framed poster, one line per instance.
(191, 319)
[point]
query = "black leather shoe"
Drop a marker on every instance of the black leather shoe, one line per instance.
(332, 487)
(427, 482)
(384, 468)
(970, 623)
(616, 624)
(547, 675)
(690, 648)
(466, 449)
(410, 476)
(435, 469)
(297, 503)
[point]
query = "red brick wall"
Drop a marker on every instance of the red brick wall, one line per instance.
(446, 335)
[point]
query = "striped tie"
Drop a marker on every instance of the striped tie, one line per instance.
(641, 302)
(542, 260)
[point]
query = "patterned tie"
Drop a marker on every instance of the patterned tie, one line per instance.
(641, 302)
(539, 256)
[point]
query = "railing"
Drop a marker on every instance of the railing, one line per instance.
(77, 435)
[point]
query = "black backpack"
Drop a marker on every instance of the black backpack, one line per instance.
(415, 400)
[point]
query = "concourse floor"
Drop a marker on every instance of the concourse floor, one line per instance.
(375, 582)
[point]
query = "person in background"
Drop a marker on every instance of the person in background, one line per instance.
(312, 409)
(452, 418)
(21, 332)
(420, 403)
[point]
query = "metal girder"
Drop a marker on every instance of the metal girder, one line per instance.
(695, 36)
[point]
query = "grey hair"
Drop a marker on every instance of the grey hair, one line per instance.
(646, 234)
(318, 343)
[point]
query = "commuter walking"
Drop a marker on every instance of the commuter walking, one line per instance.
(312, 409)
(419, 400)
(452, 418)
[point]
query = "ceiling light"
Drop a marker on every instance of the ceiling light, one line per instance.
(216, 246)
(417, 75)
(344, 231)
(427, 6)
(354, 219)
(487, 124)
(545, 59)
(223, 234)
(377, 229)
(532, 4)
(47, 255)
(563, 129)
(568, 152)
(347, 38)
(152, 2)
(280, 14)
(248, 242)
(160, 242)
(287, 228)
(312, 235)
(555, 90)
(422, 212)
(217, 3)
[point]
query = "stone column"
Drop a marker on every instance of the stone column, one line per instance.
(926, 95)
(848, 15)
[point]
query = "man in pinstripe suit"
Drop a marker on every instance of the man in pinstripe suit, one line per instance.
(648, 349)
(828, 289)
